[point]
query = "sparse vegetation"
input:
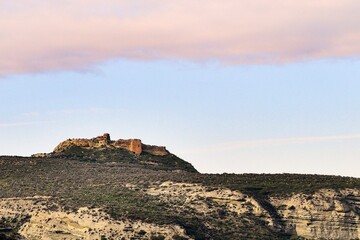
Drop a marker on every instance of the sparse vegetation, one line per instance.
(86, 181)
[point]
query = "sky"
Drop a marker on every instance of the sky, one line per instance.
(230, 86)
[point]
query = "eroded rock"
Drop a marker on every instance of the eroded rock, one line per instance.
(85, 223)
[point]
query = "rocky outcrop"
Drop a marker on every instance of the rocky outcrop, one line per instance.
(98, 142)
(47, 220)
(197, 197)
(104, 141)
(155, 150)
(327, 214)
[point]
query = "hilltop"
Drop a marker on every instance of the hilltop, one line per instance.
(103, 189)
(131, 151)
(104, 142)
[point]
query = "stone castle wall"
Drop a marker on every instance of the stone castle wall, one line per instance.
(104, 141)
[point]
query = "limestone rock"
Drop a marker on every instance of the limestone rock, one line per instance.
(85, 223)
(327, 214)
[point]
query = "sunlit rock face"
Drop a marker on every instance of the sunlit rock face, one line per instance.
(327, 214)
(49, 221)
(104, 141)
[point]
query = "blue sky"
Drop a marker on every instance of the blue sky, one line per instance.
(301, 117)
(230, 86)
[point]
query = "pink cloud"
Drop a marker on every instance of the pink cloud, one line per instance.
(40, 36)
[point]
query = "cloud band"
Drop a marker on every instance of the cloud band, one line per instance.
(64, 35)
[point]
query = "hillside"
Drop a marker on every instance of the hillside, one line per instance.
(103, 191)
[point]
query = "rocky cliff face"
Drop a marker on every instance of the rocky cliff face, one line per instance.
(104, 141)
(55, 223)
(327, 214)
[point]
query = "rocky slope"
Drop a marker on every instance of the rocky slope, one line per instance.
(94, 189)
